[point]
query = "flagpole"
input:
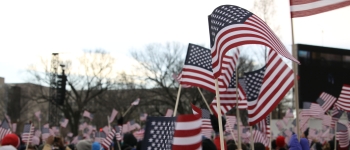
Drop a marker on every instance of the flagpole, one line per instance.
(177, 100)
(335, 135)
(218, 106)
(237, 112)
(251, 137)
(205, 101)
(127, 110)
(296, 86)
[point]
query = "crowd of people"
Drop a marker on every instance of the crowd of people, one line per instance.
(129, 142)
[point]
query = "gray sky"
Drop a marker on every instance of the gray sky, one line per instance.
(33, 29)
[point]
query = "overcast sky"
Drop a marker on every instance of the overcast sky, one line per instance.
(33, 29)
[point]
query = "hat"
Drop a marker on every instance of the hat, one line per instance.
(280, 142)
(84, 145)
(10, 139)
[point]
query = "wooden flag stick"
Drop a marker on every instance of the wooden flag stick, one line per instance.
(205, 101)
(218, 106)
(335, 137)
(177, 100)
(251, 138)
(237, 113)
(127, 110)
(296, 87)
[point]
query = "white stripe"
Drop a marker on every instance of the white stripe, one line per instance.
(187, 140)
(188, 125)
(314, 5)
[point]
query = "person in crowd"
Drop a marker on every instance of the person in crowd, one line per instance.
(139, 145)
(294, 143)
(207, 144)
(273, 144)
(55, 143)
(96, 146)
(304, 142)
(129, 141)
(259, 146)
(10, 142)
(215, 124)
(84, 145)
(280, 143)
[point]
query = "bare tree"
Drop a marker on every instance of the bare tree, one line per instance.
(93, 76)
(158, 63)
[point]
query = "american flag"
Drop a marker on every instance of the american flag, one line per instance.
(187, 134)
(266, 87)
(264, 126)
(108, 140)
(280, 125)
(207, 128)
(303, 122)
(88, 115)
(118, 132)
(312, 109)
(133, 125)
(45, 133)
(100, 136)
(327, 120)
(258, 136)
(113, 115)
(232, 26)
(136, 102)
(289, 113)
(159, 133)
(230, 123)
(343, 101)
(326, 101)
(303, 8)
(342, 135)
(4, 128)
(197, 70)
(28, 133)
(64, 122)
(143, 117)
(336, 114)
(169, 113)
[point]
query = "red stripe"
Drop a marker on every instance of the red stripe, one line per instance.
(309, 12)
(299, 2)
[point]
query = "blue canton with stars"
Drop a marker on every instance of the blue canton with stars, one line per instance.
(159, 133)
(226, 15)
(199, 56)
(253, 81)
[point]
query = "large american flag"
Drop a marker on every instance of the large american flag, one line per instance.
(343, 101)
(28, 133)
(326, 101)
(187, 134)
(108, 140)
(232, 26)
(159, 133)
(342, 135)
(303, 8)
(4, 128)
(266, 87)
